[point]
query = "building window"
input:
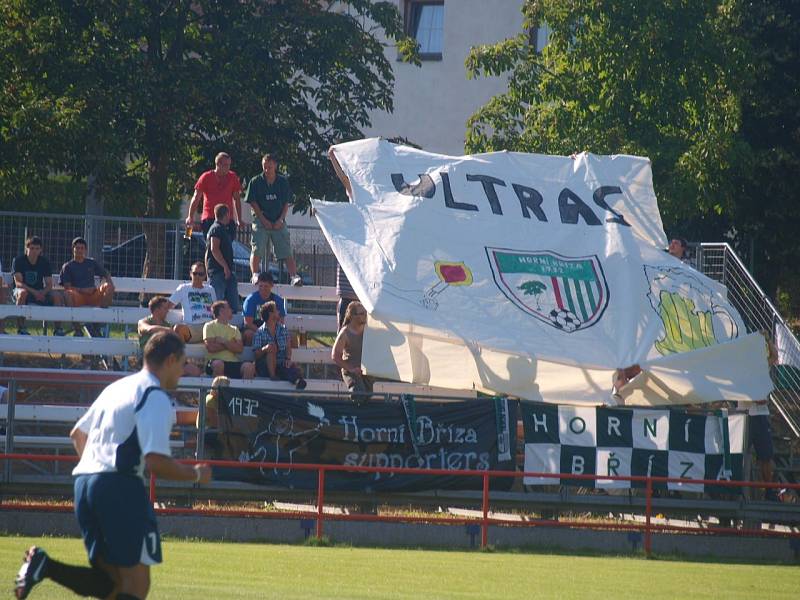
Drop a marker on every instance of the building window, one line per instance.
(539, 36)
(425, 23)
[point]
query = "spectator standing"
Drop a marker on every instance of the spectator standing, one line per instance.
(223, 343)
(345, 293)
(219, 259)
(269, 195)
(195, 299)
(215, 187)
(253, 303)
(346, 351)
(33, 282)
(273, 349)
(77, 277)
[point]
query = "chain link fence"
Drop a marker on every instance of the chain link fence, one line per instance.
(122, 243)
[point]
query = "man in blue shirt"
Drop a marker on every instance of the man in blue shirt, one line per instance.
(268, 195)
(125, 430)
(253, 304)
(219, 259)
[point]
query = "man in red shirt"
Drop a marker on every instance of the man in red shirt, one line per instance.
(219, 186)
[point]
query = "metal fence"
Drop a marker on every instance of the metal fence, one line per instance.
(720, 262)
(121, 244)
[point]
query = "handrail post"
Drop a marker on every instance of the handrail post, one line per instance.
(11, 403)
(648, 512)
(485, 519)
(320, 501)
(152, 488)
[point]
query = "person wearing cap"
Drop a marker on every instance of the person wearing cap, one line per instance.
(78, 279)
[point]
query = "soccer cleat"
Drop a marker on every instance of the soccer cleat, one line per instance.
(23, 331)
(31, 572)
(296, 281)
(58, 332)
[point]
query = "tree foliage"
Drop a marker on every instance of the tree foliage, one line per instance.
(708, 90)
(143, 93)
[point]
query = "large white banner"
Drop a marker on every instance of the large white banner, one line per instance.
(524, 274)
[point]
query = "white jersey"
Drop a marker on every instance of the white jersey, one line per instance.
(131, 418)
(195, 302)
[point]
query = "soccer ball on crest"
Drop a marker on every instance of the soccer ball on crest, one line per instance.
(564, 319)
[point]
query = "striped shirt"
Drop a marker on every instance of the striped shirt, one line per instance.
(263, 336)
(343, 287)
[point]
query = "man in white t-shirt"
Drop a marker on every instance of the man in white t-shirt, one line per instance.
(125, 430)
(195, 299)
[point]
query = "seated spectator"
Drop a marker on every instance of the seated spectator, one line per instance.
(273, 349)
(254, 302)
(33, 282)
(219, 259)
(195, 300)
(77, 277)
(346, 352)
(223, 342)
(157, 321)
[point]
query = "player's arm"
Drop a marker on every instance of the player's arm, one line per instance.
(166, 467)
(78, 437)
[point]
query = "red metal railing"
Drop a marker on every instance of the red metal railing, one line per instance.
(648, 528)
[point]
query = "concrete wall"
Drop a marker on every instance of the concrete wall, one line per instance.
(433, 102)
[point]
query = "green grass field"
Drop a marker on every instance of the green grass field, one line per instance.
(225, 570)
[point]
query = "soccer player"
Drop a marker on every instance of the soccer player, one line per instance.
(125, 430)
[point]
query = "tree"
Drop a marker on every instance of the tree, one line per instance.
(533, 288)
(141, 94)
(675, 81)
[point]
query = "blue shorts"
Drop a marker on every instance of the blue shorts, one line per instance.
(761, 437)
(117, 520)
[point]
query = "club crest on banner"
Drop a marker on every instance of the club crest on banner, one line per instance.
(567, 293)
(692, 315)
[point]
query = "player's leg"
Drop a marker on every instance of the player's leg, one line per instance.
(131, 541)
(134, 582)
(93, 582)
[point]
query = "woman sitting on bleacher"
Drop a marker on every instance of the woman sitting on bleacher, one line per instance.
(273, 348)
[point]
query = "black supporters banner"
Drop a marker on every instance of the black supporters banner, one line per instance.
(264, 427)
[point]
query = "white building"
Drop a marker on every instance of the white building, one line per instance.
(433, 102)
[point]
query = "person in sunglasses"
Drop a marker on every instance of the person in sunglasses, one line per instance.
(195, 299)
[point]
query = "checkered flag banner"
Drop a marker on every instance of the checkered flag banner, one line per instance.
(574, 440)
